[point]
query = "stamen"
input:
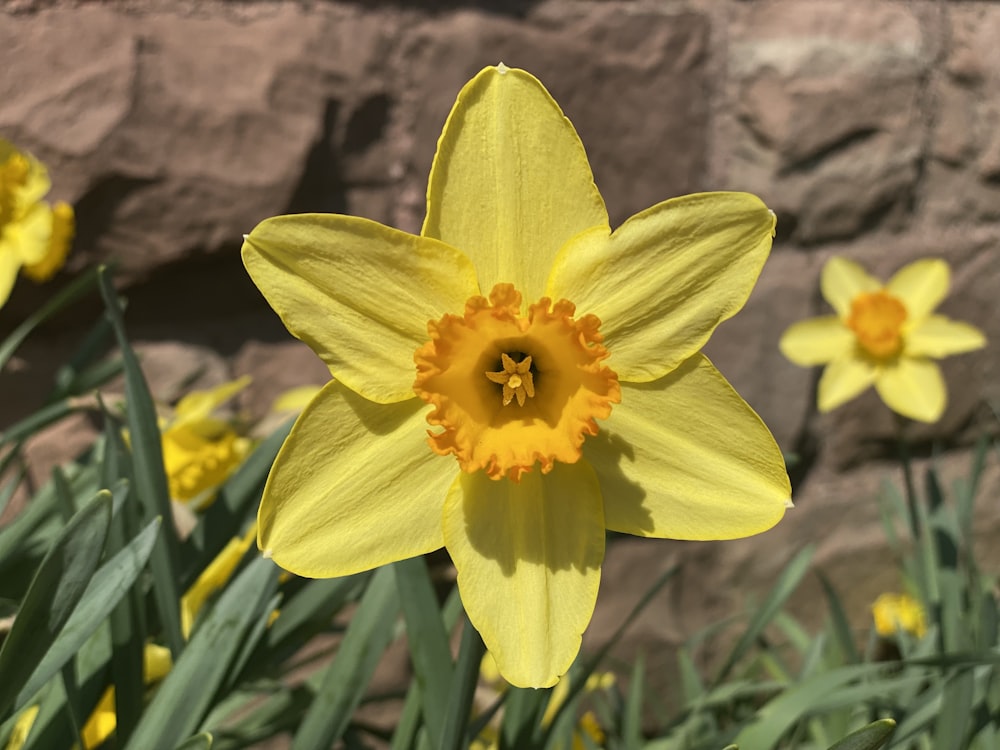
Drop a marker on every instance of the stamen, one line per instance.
(549, 363)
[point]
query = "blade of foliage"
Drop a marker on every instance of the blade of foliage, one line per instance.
(77, 375)
(840, 624)
(632, 718)
(428, 641)
(317, 602)
(776, 598)
(187, 693)
(150, 480)
(201, 741)
(812, 695)
(64, 297)
(108, 585)
(871, 737)
(48, 414)
(55, 591)
(954, 720)
(463, 687)
(347, 677)
(522, 713)
(578, 678)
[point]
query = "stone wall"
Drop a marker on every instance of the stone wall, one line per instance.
(872, 129)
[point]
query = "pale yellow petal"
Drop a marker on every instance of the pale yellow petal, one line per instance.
(102, 722)
(937, 336)
(684, 457)
(920, 286)
(913, 388)
(355, 486)
(842, 280)
(510, 184)
(816, 341)
(843, 379)
(22, 728)
(199, 404)
(10, 264)
(294, 399)
(359, 293)
(664, 280)
(528, 556)
(157, 661)
(30, 235)
(60, 241)
(214, 577)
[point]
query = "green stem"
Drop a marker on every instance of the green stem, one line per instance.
(463, 688)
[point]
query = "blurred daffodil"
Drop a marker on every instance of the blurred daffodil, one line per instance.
(200, 451)
(214, 577)
(898, 612)
(513, 323)
(34, 236)
(882, 335)
(156, 664)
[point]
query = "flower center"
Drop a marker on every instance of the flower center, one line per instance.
(877, 320)
(512, 391)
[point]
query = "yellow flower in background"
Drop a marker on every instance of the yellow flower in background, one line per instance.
(201, 451)
(22, 728)
(34, 236)
(214, 577)
(156, 664)
(882, 335)
(898, 612)
(516, 260)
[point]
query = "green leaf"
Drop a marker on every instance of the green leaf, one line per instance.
(150, 483)
(842, 632)
(955, 717)
(428, 641)
(870, 737)
(55, 591)
(187, 693)
(348, 675)
(776, 598)
(109, 584)
(632, 718)
(65, 296)
(201, 741)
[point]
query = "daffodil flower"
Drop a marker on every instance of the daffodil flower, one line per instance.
(34, 237)
(201, 451)
(882, 335)
(893, 613)
(516, 259)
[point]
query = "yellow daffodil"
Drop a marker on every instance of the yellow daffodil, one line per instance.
(22, 728)
(201, 451)
(156, 664)
(882, 335)
(898, 612)
(214, 577)
(516, 260)
(34, 237)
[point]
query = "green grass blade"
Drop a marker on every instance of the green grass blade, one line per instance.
(47, 415)
(463, 687)
(776, 598)
(345, 681)
(871, 737)
(201, 741)
(428, 641)
(54, 593)
(632, 717)
(954, 720)
(313, 607)
(186, 694)
(150, 484)
(109, 584)
(842, 633)
(65, 296)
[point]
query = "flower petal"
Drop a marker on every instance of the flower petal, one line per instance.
(938, 336)
(10, 264)
(913, 388)
(921, 286)
(529, 557)
(842, 280)
(664, 280)
(359, 293)
(510, 184)
(354, 486)
(685, 457)
(816, 341)
(843, 379)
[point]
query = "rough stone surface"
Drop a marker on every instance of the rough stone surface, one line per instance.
(872, 129)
